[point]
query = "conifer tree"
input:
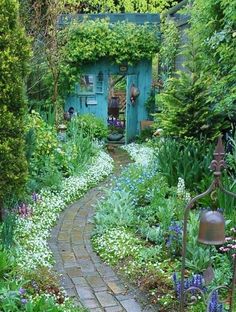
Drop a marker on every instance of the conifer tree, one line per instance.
(13, 64)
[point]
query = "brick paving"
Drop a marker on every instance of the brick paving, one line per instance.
(85, 277)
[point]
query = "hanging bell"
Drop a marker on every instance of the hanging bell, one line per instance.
(212, 228)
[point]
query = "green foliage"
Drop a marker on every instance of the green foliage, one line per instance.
(116, 210)
(12, 154)
(198, 257)
(150, 105)
(41, 153)
(91, 41)
(13, 59)
(145, 135)
(49, 159)
(75, 153)
(113, 6)
(188, 159)
(226, 202)
(4, 262)
(116, 244)
(212, 33)
(201, 101)
(223, 271)
(184, 110)
(90, 125)
(7, 231)
(169, 48)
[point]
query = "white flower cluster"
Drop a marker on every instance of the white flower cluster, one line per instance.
(32, 233)
(181, 191)
(116, 244)
(141, 154)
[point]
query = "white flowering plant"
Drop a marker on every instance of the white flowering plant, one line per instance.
(31, 232)
(140, 153)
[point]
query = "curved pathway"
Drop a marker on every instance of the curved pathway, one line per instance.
(84, 276)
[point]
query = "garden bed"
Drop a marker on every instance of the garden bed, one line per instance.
(139, 232)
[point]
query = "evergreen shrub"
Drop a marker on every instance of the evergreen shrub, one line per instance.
(13, 65)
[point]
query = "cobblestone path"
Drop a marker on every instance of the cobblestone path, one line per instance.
(84, 276)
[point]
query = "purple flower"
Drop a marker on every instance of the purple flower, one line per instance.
(24, 301)
(35, 197)
(24, 210)
(194, 281)
(214, 304)
(21, 291)
(174, 227)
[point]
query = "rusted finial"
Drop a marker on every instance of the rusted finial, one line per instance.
(218, 163)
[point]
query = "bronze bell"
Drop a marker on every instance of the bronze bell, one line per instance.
(212, 228)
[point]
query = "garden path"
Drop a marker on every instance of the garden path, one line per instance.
(84, 276)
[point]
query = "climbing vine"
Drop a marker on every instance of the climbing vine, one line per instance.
(122, 42)
(112, 6)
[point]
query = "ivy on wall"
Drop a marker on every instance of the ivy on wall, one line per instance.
(122, 42)
(114, 6)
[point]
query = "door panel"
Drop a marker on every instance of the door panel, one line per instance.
(131, 110)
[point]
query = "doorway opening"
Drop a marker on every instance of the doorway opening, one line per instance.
(116, 118)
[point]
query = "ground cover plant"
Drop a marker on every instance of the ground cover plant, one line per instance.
(139, 231)
(60, 171)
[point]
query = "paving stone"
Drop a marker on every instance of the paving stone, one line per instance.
(80, 252)
(111, 278)
(83, 212)
(74, 272)
(79, 222)
(84, 292)
(105, 299)
(70, 215)
(117, 287)
(66, 282)
(90, 303)
(91, 273)
(64, 236)
(124, 297)
(105, 271)
(131, 305)
(114, 309)
(63, 246)
(101, 288)
(67, 256)
(85, 277)
(80, 281)
(95, 281)
(86, 266)
(76, 237)
(70, 264)
(71, 292)
(59, 267)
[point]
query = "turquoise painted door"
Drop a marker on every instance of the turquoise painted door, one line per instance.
(131, 110)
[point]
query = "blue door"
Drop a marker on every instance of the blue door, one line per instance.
(131, 110)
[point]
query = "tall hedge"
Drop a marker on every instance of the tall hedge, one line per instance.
(14, 53)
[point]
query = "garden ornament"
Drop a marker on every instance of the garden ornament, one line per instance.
(210, 221)
(212, 228)
(134, 93)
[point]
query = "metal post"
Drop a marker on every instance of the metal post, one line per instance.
(233, 286)
(217, 165)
